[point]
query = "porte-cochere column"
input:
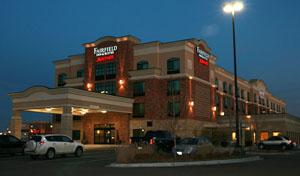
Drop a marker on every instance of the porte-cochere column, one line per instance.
(66, 124)
(15, 125)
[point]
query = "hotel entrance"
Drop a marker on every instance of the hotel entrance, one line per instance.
(104, 134)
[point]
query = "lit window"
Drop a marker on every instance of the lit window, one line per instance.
(276, 133)
(142, 65)
(173, 65)
(264, 136)
(233, 136)
(174, 87)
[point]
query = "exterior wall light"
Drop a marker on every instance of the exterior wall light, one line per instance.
(190, 77)
(89, 86)
(103, 111)
(191, 103)
(248, 116)
(49, 109)
(214, 108)
(121, 82)
(222, 113)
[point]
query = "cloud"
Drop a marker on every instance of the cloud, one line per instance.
(210, 30)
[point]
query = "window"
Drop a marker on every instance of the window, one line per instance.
(80, 73)
(61, 79)
(105, 71)
(173, 65)
(138, 110)
(233, 136)
(138, 132)
(174, 108)
(264, 136)
(173, 87)
(217, 83)
(138, 89)
(242, 94)
(225, 87)
(76, 118)
(66, 139)
(254, 98)
(12, 139)
(238, 92)
(248, 96)
(230, 89)
(99, 72)
(226, 102)
(276, 133)
(57, 118)
(76, 134)
(111, 70)
(106, 87)
(149, 123)
(142, 65)
(217, 99)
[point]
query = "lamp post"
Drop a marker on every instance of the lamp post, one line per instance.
(232, 8)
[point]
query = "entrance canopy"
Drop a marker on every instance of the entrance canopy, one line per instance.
(65, 101)
(48, 100)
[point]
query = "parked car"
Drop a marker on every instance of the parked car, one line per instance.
(188, 146)
(10, 144)
(164, 140)
(279, 142)
(51, 145)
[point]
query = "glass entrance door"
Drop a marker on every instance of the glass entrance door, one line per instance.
(104, 134)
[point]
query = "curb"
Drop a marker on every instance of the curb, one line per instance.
(192, 163)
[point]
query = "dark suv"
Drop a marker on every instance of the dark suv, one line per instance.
(11, 145)
(164, 140)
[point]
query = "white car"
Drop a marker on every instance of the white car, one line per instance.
(51, 145)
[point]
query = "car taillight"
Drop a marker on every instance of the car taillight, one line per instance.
(42, 142)
(152, 141)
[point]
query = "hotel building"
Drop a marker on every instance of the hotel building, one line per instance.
(120, 87)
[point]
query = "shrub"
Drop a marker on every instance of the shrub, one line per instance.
(129, 153)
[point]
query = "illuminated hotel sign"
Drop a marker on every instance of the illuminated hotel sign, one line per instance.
(203, 56)
(105, 54)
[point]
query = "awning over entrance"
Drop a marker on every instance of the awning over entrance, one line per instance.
(65, 101)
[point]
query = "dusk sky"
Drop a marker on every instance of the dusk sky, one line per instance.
(35, 33)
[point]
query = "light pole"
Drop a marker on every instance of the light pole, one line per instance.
(233, 7)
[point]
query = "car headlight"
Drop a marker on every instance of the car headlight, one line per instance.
(179, 153)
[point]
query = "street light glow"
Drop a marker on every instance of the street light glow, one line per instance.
(233, 7)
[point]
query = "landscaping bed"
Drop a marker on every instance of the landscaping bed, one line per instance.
(151, 154)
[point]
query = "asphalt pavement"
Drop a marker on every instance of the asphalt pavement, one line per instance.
(95, 163)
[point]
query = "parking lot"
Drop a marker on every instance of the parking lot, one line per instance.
(96, 160)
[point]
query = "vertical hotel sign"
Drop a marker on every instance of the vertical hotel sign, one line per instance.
(105, 54)
(202, 56)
